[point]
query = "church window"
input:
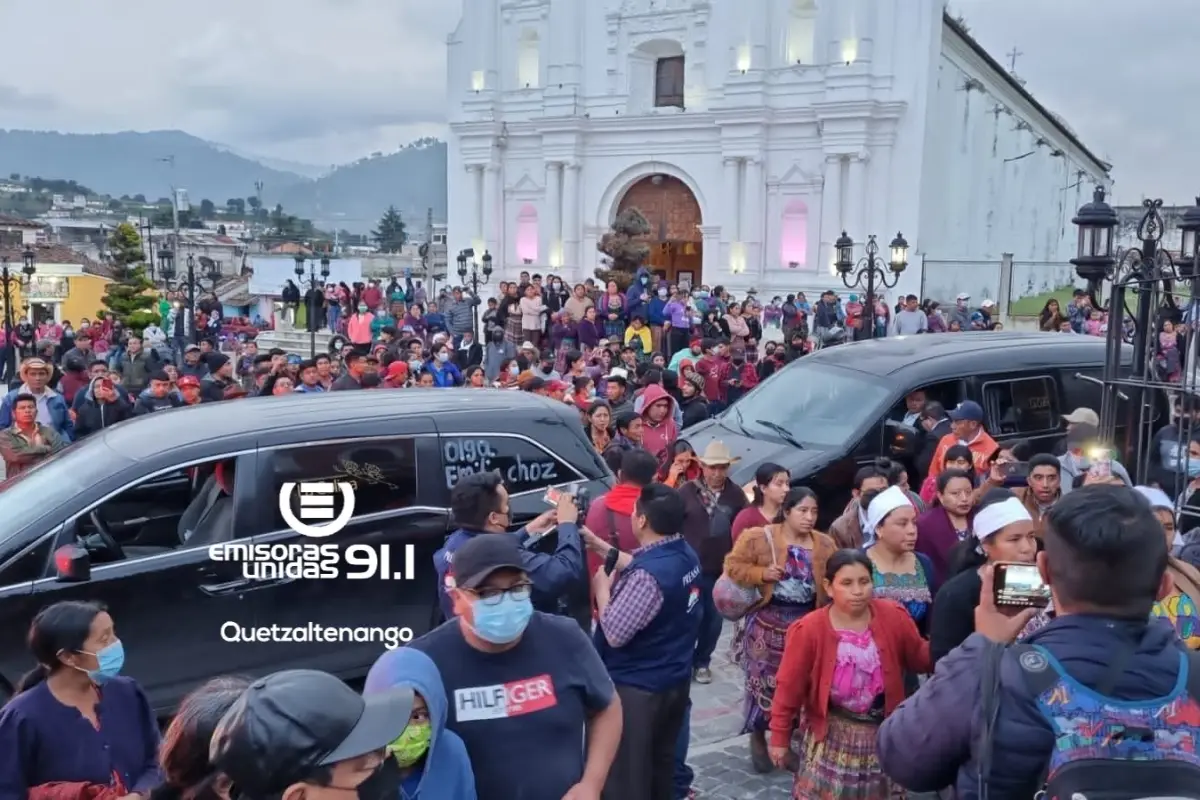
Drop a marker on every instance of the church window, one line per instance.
(528, 60)
(527, 234)
(802, 32)
(668, 82)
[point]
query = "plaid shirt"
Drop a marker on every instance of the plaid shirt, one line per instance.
(636, 601)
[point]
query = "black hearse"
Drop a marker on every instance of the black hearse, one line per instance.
(831, 412)
(127, 517)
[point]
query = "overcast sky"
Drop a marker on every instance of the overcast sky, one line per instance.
(327, 81)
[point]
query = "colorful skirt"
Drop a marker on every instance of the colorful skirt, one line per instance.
(760, 652)
(844, 765)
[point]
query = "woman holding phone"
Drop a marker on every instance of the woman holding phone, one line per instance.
(1003, 531)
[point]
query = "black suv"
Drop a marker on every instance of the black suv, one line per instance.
(131, 516)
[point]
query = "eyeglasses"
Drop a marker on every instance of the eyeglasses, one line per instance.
(492, 595)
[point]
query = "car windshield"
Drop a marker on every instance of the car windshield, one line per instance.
(37, 490)
(818, 405)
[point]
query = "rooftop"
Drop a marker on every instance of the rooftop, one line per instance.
(8, 221)
(57, 254)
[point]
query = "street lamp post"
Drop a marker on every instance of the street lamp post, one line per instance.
(870, 269)
(12, 282)
(190, 282)
(1150, 272)
(313, 282)
(474, 280)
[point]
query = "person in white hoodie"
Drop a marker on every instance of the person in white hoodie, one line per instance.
(156, 339)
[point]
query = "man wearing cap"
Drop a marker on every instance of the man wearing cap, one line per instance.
(190, 389)
(1081, 416)
(52, 409)
(961, 313)
(102, 405)
(524, 687)
(305, 735)
(966, 425)
(981, 320)
(157, 396)
(193, 362)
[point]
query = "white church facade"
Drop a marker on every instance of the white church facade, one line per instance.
(750, 133)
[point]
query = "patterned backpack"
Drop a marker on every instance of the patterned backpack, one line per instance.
(1108, 749)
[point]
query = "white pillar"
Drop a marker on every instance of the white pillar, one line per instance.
(831, 211)
(856, 196)
(553, 250)
(571, 221)
(731, 226)
(491, 202)
(753, 222)
(476, 173)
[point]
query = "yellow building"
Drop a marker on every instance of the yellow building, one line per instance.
(65, 285)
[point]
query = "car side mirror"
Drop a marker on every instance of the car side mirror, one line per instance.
(72, 564)
(901, 439)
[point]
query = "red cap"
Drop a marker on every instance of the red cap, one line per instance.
(188, 382)
(556, 386)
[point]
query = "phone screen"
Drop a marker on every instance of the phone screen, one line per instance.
(552, 496)
(1019, 585)
(1015, 473)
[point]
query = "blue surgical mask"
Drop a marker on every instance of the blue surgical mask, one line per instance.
(109, 661)
(504, 622)
(514, 370)
(1193, 469)
(443, 357)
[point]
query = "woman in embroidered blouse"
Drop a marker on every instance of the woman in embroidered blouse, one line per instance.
(947, 522)
(599, 429)
(75, 719)
(843, 672)
(1002, 530)
(900, 573)
(1182, 607)
(784, 561)
(612, 307)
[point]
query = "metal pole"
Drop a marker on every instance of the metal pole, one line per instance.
(311, 299)
(191, 273)
(474, 309)
(10, 367)
(870, 296)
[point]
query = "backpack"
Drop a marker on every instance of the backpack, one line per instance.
(1104, 749)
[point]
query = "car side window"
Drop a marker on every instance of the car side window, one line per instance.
(382, 471)
(30, 565)
(523, 465)
(1026, 405)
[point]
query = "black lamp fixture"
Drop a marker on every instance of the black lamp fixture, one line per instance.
(28, 262)
(487, 264)
(1095, 259)
(166, 263)
(11, 283)
(474, 277)
(1189, 242)
(324, 266)
(299, 266)
(870, 271)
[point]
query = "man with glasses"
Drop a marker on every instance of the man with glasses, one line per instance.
(524, 687)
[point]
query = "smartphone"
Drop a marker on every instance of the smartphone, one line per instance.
(1015, 473)
(1101, 463)
(1019, 586)
(552, 496)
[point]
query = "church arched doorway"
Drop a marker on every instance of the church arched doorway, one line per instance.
(674, 215)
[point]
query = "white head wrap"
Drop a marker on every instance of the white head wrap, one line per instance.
(1158, 500)
(885, 503)
(999, 515)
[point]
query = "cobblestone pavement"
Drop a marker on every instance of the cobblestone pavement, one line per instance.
(719, 754)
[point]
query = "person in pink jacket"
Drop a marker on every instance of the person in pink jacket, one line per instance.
(358, 327)
(659, 430)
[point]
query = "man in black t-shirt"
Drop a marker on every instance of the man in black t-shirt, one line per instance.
(524, 687)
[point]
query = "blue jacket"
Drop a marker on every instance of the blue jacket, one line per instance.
(928, 743)
(657, 309)
(446, 772)
(551, 574)
(444, 375)
(60, 417)
(634, 305)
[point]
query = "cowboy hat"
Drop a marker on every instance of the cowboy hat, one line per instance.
(716, 454)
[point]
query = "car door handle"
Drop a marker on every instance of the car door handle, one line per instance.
(228, 587)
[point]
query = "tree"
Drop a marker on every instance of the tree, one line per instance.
(114, 205)
(139, 198)
(625, 248)
(390, 235)
(253, 202)
(236, 205)
(15, 177)
(208, 209)
(130, 296)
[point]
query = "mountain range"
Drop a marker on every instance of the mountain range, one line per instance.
(350, 197)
